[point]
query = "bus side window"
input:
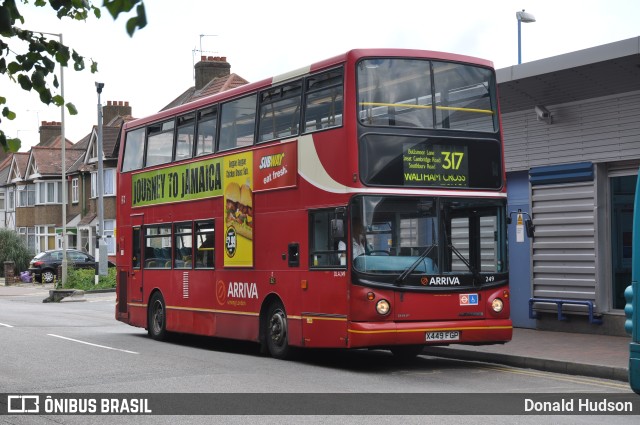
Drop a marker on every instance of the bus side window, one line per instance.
(207, 124)
(183, 246)
(280, 112)
(237, 123)
(133, 150)
(323, 101)
(159, 143)
(205, 240)
(326, 248)
(135, 251)
(157, 242)
(184, 136)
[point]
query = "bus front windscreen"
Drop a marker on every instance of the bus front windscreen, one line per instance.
(422, 241)
(415, 93)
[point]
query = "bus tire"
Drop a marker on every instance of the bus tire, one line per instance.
(407, 352)
(157, 320)
(277, 332)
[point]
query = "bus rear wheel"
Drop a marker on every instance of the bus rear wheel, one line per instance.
(276, 332)
(407, 352)
(157, 320)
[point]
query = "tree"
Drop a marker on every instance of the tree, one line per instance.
(31, 67)
(12, 248)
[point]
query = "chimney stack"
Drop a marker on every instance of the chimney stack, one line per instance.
(114, 109)
(49, 130)
(210, 68)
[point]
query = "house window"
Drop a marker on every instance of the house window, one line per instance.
(2, 195)
(74, 190)
(108, 234)
(45, 238)
(11, 206)
(27, 195)
(109, 178)
(50, 192)
(28, 236)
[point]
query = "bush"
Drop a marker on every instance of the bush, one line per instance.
(12, 248)
(84, 279)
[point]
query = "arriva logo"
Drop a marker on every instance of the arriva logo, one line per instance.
(242, 290)
(444, 281)
(235, 293)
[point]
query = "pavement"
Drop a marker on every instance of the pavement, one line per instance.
(599, 356)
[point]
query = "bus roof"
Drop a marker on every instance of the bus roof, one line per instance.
(350, 56)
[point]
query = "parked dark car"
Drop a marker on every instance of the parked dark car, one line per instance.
(44, 266)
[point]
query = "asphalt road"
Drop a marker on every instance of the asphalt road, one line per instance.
(78, 347)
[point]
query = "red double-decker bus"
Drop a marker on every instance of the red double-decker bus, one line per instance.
(359, 202)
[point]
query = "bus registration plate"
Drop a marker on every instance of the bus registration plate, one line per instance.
(443, 336)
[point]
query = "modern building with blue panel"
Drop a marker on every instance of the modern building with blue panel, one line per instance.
(572, 151)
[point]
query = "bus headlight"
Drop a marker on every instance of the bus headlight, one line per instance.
(497, 305)
(383, 307)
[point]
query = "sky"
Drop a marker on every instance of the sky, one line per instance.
(265, 38)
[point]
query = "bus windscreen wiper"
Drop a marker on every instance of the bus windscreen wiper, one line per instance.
(472, 269)
(415, 264)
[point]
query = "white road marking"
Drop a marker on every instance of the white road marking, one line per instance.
(94, 345)
(5, 325)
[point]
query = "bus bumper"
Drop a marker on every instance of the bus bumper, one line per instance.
(477, 332)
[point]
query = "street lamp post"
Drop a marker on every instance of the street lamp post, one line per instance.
(102, 246)
(526, 18)
(64, 171)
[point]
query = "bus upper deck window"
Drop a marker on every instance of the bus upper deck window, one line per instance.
(184, 136)
(133, 150)
(237, 123)
(207, 125)
(159, 143)
(323, 101)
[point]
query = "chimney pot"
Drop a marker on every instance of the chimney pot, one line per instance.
(203, 58)
(223, 59)
(126, 103)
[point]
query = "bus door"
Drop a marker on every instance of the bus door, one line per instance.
(135, 275)
(324, 295)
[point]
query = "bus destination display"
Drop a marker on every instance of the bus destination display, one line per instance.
(435, 165)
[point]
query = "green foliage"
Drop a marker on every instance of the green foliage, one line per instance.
(84, 279)
(30, 68)
(12, 248)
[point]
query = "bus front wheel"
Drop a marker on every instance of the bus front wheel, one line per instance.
(276, 332)
(157, 320)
